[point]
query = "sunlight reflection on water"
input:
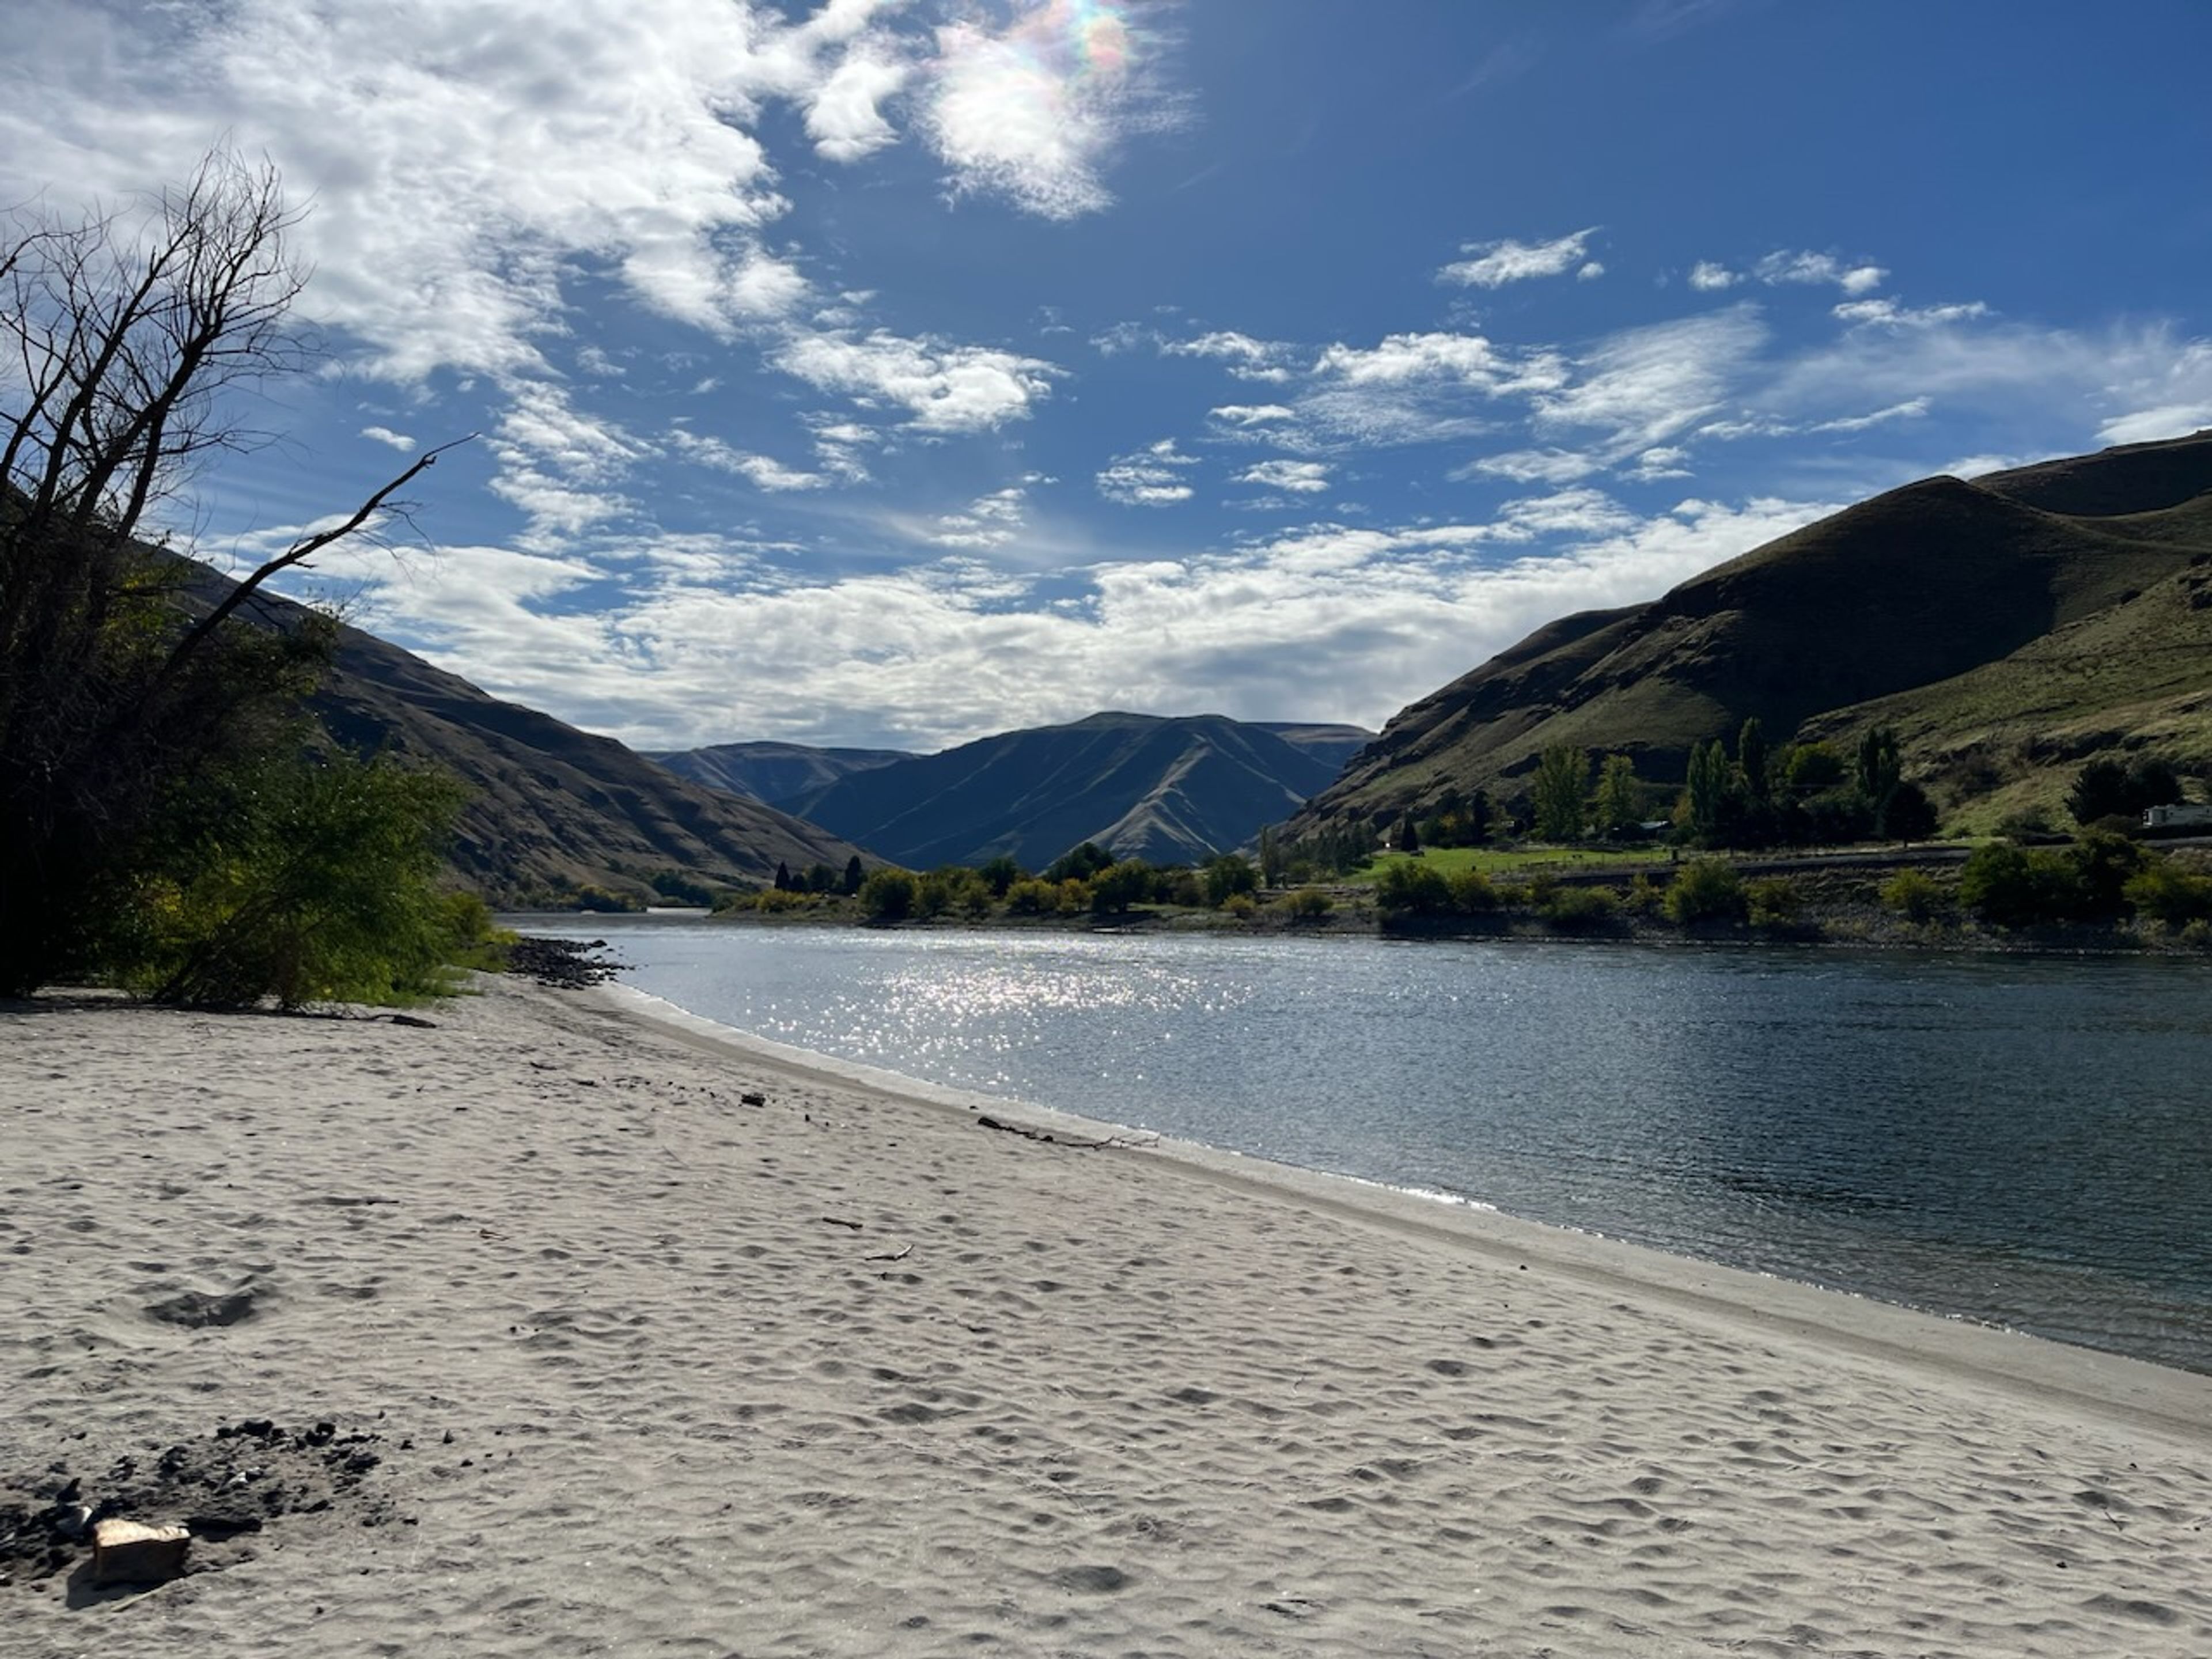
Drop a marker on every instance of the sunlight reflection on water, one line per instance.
(2025, 1140)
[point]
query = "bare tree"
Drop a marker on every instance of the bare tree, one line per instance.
(124, 342)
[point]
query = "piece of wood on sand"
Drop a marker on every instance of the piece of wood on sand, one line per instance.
(132, 1552)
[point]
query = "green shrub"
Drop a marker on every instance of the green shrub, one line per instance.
(1915, 897)
(1308, 904)
(1579, 910)
(2167, 893)
(1472, 893)
(1646, 897)
(1032, 898)
(2011, 886)
(1229, 875)
(1772, 900)
(1406, 888)
(889, 896)
(319, 883)
(1705, 891)
(1243, 906)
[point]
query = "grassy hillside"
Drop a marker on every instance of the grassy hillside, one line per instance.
(2009, 628)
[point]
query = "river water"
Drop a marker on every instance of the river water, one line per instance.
(2021, 1140)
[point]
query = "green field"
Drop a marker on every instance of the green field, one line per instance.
(1517, 861)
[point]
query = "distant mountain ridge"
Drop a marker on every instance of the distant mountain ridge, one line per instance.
(788, 775)
(1944, 608)
(1167, 790)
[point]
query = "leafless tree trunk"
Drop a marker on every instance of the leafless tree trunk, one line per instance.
(119, 343)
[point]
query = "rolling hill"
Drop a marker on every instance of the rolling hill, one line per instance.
(550, 807)
(1169, 791)
(2009, 628)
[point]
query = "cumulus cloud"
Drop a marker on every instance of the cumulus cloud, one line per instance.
(1708, 277)
(943, 387)
(385, 434)
(1151, 476)
(1496, 264)
(1032, 112)
(1300, 477)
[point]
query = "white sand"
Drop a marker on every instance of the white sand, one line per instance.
(1109, 1403)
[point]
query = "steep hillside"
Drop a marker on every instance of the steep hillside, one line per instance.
(1169, 791)
(788, 775)
(1862, 616)
(548, 806)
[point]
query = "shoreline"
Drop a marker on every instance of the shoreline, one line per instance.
(2095, 1381)
(665, 1342)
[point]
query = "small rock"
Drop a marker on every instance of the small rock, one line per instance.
(131, 1553)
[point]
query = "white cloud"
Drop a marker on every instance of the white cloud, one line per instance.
(1887, 314)
(560, 466)
(1664, 462)
(1497, 263)
(844, 118)
(990, 520)
(1591, 272)
(762, 471)
(1642, 386)
(2149, 425)
(1709, 278)
(1466, 359)
(1248, 359)
(1300, 477)
(1150, 477)
(943, 387)
(385, 434)
(1034, 112)
(1535, 466)
(1785, 267)
(1248, 416)
(1910, 409)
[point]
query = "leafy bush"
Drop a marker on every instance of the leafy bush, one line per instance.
(2011, 886)
(1118, 886)
(1705, 891)
(1229, 875)
(1243, 906)
(1308, 904)
(2167, 893)
(889, 896)
(1646, 897)
(318, 883)
(1032, 898)
(1772, 900)
(1472, 893)
(1579, 910)
(1915, 897)
(1407, 888)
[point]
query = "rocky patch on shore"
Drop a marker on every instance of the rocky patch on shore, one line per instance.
(236, 1482)
(565, 964)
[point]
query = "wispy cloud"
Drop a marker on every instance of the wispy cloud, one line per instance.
(1300, 477)
(1248, 359)
(1496, 264)
(1813, 269)
(385, 434)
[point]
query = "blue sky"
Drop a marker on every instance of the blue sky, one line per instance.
(881, 373)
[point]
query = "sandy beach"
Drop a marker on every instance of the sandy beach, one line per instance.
(626, 1338)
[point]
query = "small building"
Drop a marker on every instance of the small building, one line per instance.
(2178, 815)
